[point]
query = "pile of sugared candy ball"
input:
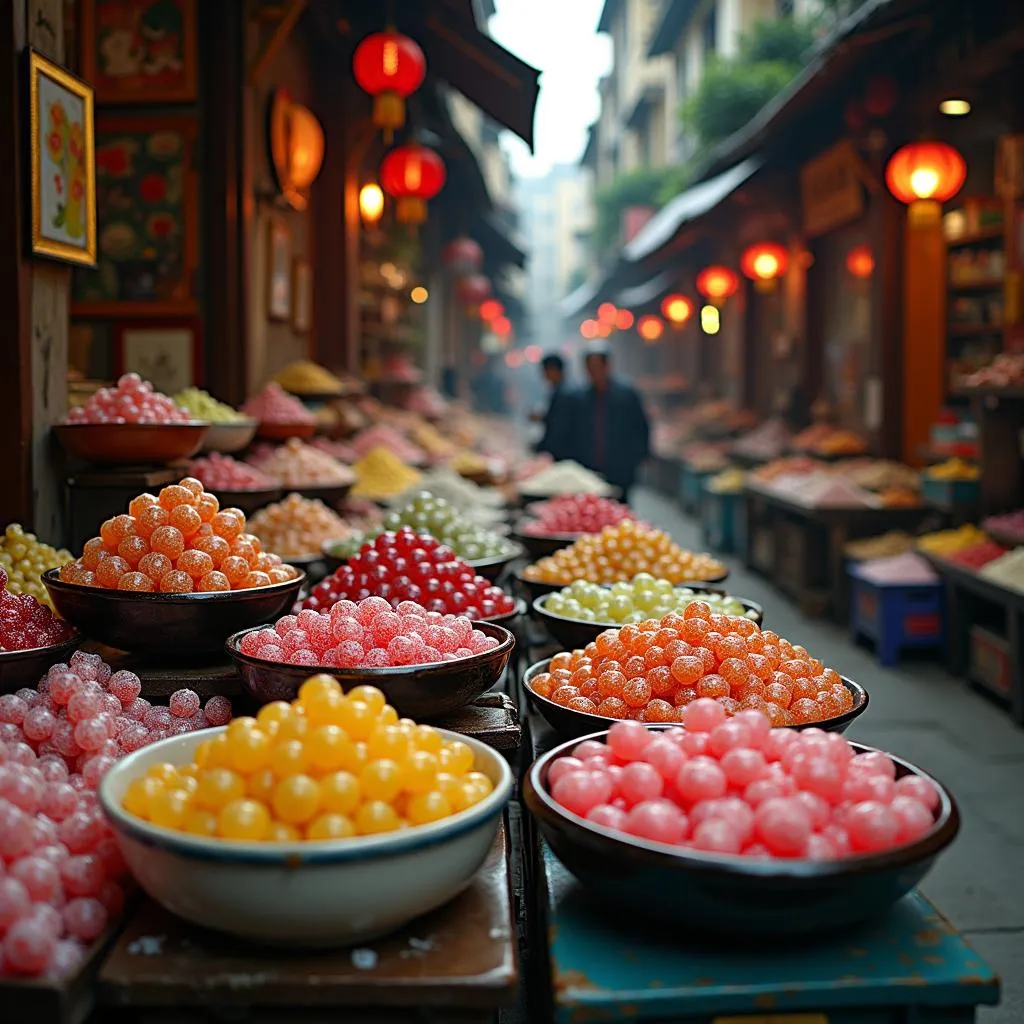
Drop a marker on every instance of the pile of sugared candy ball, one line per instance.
(575, 513)
(367, 634)
(132, 401)
(651, 671)
(411, 566)
(274, 405)
(25, 558)
(26, 623)
(326, 766)
(222, 473)
(295, 464)
(176, 543)
(61, 869)
(738, 786)
(297, 527)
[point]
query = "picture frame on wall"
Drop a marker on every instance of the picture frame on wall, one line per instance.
(140, 51)
(279, 270)
(61, 164)
(168, 354)
(302, 296)
(147, 221)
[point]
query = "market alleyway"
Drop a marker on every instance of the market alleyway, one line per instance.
(932, 719)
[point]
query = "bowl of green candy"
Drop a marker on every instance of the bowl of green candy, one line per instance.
(229, 431)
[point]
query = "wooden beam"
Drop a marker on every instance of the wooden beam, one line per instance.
(292, 12)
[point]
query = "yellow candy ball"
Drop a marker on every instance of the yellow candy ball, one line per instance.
(370, 696)
(340, 793)
(248, 750)
(260, 785)
(423, 808)
(163, 772)
(419, 772)
(217, 787)
(140, 794)
(330, 826)
(356, 719)
(280, 832)
(389, 741)
(381, 780)
(244, 819)
(288, 758)
(376, 816)
(426, 738)
(328, 748)
(198, 822)
(296, 799)
(272, 715)
(456, 757)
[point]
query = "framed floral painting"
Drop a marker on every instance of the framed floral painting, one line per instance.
(147, 221)
(140, 51)
(62, 170)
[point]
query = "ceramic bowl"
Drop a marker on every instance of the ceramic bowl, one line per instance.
(180, 625)
(572, 633)
(726, 893)
(492, 568)
(323, 492)
(24, 668)
(131, 443)
(415, 691)
(227, 438)
(271, 431)
(302, 894)
(569, 723)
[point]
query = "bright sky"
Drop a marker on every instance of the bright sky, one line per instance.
(558, 37)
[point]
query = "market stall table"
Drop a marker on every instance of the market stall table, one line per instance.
(911, 965)
(800, 546)
(457, 964)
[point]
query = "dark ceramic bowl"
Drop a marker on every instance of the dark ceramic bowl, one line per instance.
(415, 691)
(323, 492)
(535, 588)
(230, 437)
(543, 544)
(179, 625)
(573, 633)
(283, 431)
(508, 620)
(492, 568)
(131, 443)
(730, 894)
(24, 668)
(568, 723)
(249, 501)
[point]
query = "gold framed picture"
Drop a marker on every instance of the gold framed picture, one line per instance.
(302, 296)
(62, 164)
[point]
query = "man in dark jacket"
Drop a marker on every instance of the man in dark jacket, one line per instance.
(612, 435)
(557, 420)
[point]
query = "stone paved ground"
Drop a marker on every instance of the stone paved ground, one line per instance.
(934, 720)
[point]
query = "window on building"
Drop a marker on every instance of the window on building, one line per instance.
(709, 32)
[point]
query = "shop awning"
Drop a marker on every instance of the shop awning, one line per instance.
(641, 295)
(498, 82)
(497, 241)
(687, 207)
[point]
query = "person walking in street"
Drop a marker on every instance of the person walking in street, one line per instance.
(610, 428)
(557, 419)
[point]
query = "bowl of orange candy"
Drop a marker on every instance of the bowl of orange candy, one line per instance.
(618, 553)
(175, 576)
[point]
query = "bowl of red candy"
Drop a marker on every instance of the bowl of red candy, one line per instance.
(410, 566)
(32, 638)
(739, 828)
(560, 521)
(130, 423)
(235, 483)
(280, 414)
(427, 664)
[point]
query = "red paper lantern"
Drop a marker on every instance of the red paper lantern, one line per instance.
(650, 327)
(588, 329)
(931, 172)
(717, 282)
(390, 67)
(462, 255)
(623, 319)
(490, 310)
(606, 313)
(502, 326)
(412, 175)
(676, 308)
(765, 261)
(860, 262)
(473, 290)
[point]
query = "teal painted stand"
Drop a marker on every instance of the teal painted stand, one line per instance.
(909, 966)
(691, 486)
(722, 520)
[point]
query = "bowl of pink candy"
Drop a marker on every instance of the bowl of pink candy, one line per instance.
(426, 664)
(31, 638)
(235, 483)
(281, 415)
(130, 423)
(734, 827)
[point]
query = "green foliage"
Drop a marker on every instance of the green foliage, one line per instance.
(778, 40)
(641, 187)
(676, 179)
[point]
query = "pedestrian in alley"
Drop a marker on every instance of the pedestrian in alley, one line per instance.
(557, 418)
(610, 428)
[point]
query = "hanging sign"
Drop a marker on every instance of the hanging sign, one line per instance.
(831, 190)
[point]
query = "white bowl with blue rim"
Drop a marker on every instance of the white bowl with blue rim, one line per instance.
(324, 893)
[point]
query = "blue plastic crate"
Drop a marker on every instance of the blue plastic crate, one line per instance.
(721, 516)
(950, 492)
(896, 616)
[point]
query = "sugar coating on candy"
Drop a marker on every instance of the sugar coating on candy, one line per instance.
(25, 623)
(684, 787)
(367, 633)
(184, 703)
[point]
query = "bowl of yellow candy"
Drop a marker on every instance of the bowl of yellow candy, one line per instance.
(229, 431)
(24, 557)
(323, 822)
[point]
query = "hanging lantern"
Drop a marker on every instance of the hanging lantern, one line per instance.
(490, 310)
(676, 308)
(764, 264)
(650, 328)
(859, 262)
(924, 175)
(606, 313)
(296, 147)
(623, 319)
(717, 283)
(371, 203)
(390, 67)
(473, 290)
(501, 326)
(412, 175)
(588, 329)
(462, 256)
